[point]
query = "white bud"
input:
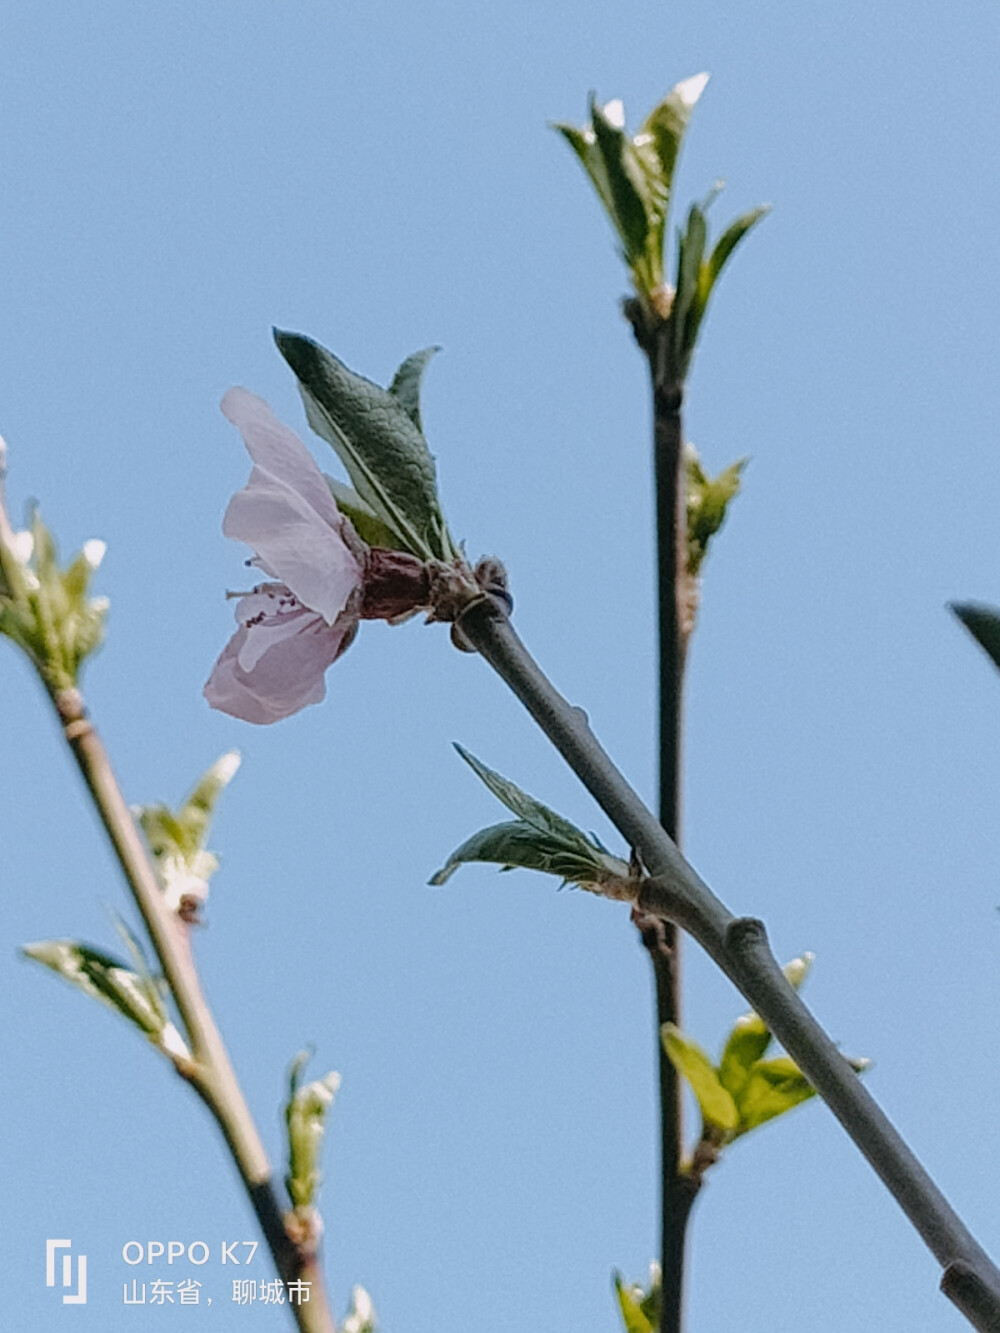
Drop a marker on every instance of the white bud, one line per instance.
(614, 113)
(22, 547)
(797, 970)
(689, 90)
(316, 1097)
(224, 768)
(181, 882)
(173, 1043)
(362, 1313)
(93, 551)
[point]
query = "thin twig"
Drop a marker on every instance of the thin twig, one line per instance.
(664, 939)
(211, 1073)
(739, 946)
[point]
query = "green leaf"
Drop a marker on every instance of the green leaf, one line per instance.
(685, 315)
(76, 580)
(750, 1038)
(667, 124)
(627, 185)
(688, 1058)
(726, 244)
(102, 977)
(87, 631)
(983, 623)
(195, 815)
(634, 1317)
(405, 384)
(366, 524)
(747, 1042)
(657, 148)
(518, 845)
(539, 839)
(774, 1087)
(375, 437)
(154, 988)
(584, 144)
(520, 803)
(651, 1298)
(696, 276)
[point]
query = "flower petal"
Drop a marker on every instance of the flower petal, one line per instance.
(273, 666)
(276, 449)
(286, 512)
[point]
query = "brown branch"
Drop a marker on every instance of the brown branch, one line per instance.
(210, 1072)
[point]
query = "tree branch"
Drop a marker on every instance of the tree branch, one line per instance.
(675, 892)
(664, 940)
(211, 1074)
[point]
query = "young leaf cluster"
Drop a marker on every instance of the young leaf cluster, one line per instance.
(633, 177)
(46, 609)
(539, 839)
(744, 1090)
(177, 842)
(177, 838)
(377, 435)
(360, 1317)
(707, 501)
(640, 1306)
(305, 1117)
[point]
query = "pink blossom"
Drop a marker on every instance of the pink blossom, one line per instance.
(290, 630)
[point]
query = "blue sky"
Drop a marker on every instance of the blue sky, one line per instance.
(177, 179)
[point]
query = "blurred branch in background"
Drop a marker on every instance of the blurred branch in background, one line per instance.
(46, 610)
